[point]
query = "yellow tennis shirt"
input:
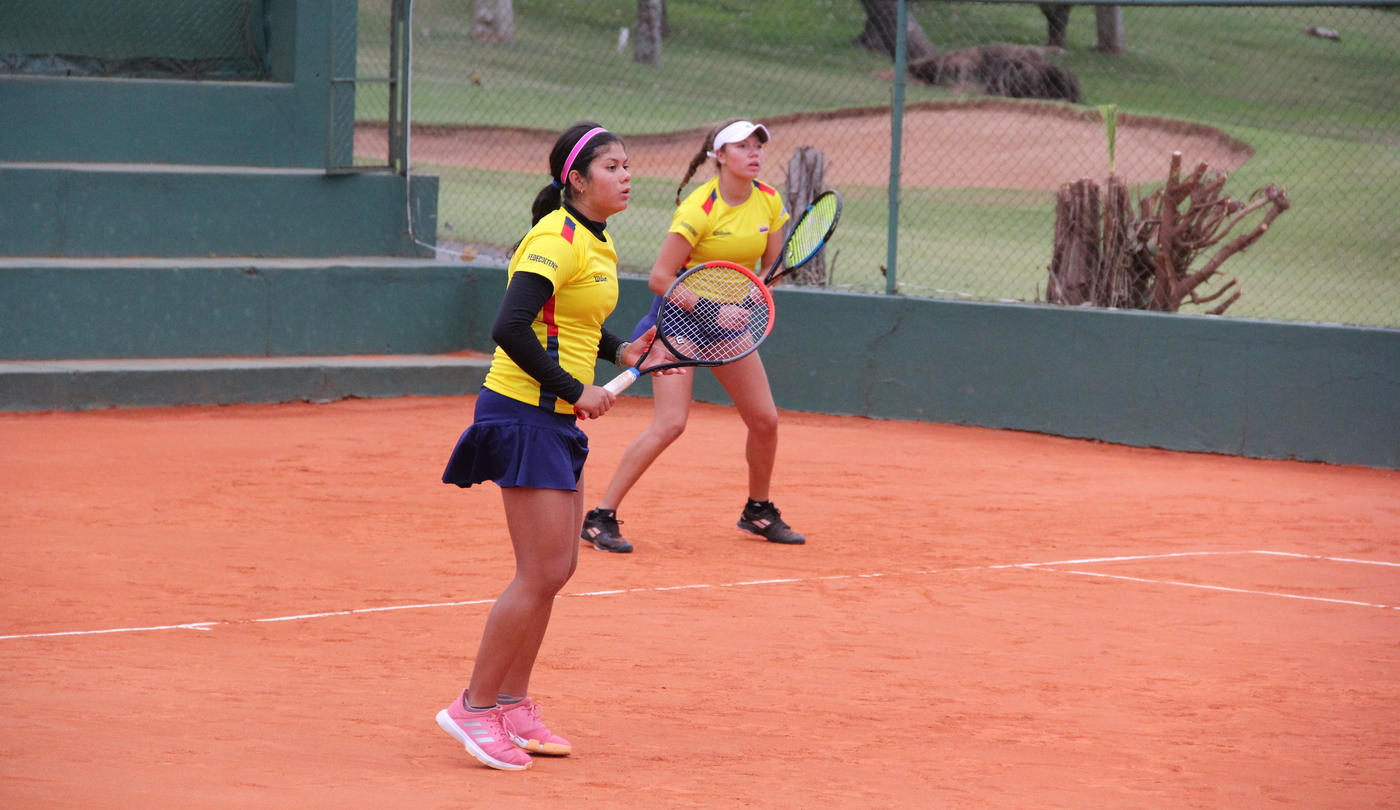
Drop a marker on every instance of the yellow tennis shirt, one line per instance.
(717, 232)
(583, 270)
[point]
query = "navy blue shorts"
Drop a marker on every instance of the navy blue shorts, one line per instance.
(704, 331)
(517, 444)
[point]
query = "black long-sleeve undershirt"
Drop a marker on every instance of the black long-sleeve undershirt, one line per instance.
(514, 332)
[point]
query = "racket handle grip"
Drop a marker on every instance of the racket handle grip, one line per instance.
(623, 380)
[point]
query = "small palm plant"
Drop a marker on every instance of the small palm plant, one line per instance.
(1110, 126)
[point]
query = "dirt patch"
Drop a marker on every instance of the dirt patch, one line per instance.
(981, 144)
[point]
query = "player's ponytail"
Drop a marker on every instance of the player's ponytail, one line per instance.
(705, 152)
(546, 201)
(574, 151)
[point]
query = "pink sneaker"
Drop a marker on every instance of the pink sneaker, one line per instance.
(522, 722)
(483, 735)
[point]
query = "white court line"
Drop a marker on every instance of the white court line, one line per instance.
(357, 610)
(207, 625)
(1043, 565)
(1135, 557)
(1332, 559)
(1223, 588)
(1194, 554)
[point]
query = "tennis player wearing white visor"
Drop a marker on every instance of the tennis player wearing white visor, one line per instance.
(734, 218)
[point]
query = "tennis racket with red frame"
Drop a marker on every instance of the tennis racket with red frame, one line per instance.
(712, 314)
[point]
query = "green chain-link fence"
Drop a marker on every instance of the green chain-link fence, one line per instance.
(1306, 98)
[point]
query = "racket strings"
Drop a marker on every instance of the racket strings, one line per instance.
(714, 315)
(809, 234)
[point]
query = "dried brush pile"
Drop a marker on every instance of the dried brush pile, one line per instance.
(1013, 71)
(1106, 256)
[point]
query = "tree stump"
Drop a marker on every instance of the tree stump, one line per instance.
(806, 178)
(1107, 256)
(493, 20)
(1075, 262)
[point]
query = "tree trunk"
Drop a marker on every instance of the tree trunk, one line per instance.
(1113, 38)
(1056, 23)
(493, 20)
(881, 20)
(646, 39)
(806, 179)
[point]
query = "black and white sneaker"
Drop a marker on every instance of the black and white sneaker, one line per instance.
(764, 520)
(600, 529)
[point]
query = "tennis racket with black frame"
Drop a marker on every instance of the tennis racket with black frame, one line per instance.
(808, 236)
(712, 314)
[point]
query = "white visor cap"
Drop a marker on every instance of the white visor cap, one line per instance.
(736, 132)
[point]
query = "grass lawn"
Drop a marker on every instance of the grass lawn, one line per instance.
(1324, 118)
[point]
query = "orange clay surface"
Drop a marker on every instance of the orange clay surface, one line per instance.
(894, 661)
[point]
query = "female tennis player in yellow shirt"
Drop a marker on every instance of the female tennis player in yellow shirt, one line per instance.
(732, 218)
(549, 329)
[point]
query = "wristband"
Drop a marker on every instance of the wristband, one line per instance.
(617, 360)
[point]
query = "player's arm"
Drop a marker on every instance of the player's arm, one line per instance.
(773, 250)
(675, 252)
(611, 347)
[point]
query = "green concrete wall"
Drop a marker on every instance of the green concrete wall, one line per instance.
(78, 385)
(193, 308)
(1251, 388)
(284, 122)
(1261, 389)
(135, 211)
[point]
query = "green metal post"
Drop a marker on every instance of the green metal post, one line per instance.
(901, 68)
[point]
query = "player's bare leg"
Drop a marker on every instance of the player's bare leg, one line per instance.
(747, 384)
(543, 526)
(670, 410)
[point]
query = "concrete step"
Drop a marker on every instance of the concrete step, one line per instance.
(137, 209)
(76, 385)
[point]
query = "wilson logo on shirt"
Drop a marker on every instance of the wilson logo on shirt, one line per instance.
(535, 257)
(600, 279)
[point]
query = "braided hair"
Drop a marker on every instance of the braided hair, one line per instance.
(559, 189)
(700, 156)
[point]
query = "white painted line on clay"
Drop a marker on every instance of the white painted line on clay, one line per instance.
(1045, 566)
(1222, 588)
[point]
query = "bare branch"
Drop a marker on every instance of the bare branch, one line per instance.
(1207, 299)
(1220, 310)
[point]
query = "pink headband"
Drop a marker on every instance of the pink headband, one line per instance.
(578, 147)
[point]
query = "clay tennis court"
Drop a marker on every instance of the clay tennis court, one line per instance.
(950, 636)
(976, 144)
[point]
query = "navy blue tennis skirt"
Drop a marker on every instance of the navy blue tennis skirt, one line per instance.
(517, 444)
